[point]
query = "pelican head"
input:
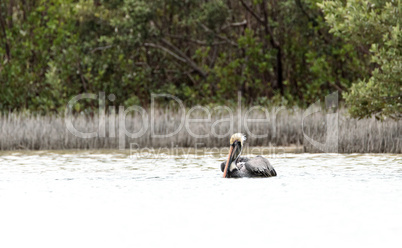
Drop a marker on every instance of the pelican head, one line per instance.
(236, 146)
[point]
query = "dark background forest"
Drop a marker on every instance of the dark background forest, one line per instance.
(290, 52)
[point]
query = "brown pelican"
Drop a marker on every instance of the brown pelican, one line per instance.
(237, 166)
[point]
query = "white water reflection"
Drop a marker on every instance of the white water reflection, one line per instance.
(105, 199)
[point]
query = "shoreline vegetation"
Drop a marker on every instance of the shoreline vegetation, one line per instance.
(287, 53)
(19, 131)
(92, 56)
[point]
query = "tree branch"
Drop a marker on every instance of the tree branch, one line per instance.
(198, 42)
(183, 56)
(166, 50)
(268, 29)
(312, 20)
(3, 28)
(251, 11)
(263, 21)
(84, 84)
(219, 36)
(235, 24)
(100, 48)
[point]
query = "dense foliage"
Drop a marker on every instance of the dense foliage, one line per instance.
(376, 25)
(275, 52)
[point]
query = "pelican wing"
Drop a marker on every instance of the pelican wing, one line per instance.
(240, 160)
(260, 166)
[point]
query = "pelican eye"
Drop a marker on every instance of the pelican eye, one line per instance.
(235, 142)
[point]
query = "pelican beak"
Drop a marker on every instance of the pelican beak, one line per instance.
(228, 162)
(233, 150)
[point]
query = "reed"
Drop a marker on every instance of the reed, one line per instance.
(24, 131)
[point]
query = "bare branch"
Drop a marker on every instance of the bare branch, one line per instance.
(336, 86)
(100, 48)
(249, 9)
(3, 29)
(267, 27)
(213, 59)
(166, 50)
(198, 42)
(187, 59)
(84, 84)
(219, 36)
(235, 24)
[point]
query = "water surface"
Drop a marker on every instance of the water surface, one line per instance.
(112, 199)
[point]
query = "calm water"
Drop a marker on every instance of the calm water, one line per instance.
(109, 199)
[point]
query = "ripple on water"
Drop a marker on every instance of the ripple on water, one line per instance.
(348, 199)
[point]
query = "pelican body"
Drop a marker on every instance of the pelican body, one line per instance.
(237, 166)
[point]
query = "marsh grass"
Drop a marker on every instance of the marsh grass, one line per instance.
(22, 131)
